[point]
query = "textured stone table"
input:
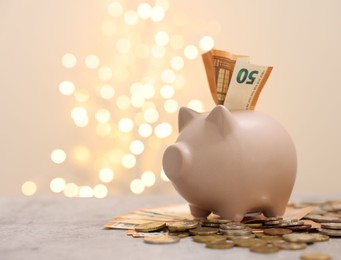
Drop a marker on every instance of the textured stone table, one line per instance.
(60, 228)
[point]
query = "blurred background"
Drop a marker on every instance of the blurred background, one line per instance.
(90, 90)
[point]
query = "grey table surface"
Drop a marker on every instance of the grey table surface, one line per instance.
(61, 228)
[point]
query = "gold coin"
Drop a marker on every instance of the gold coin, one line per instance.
(232, 226)
(221, 245)
(323, 219)
(182, 225)
(277, 231)
(161, 239)
(331, 225)
(315, 256)
(217, 220)
(237, 232)
(254, 225)
(305, 237)
(242, 242)
(290, 246)
(209, 239)
(244, 237)
(203, 231)
(152, 226)
(330, 232)
(266, 249)
(180, 234)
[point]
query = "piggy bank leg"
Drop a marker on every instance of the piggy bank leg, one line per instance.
(274, 211)
(198, 212)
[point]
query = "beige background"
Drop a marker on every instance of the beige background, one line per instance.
(301, 39)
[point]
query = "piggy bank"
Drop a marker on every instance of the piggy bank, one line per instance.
(231, 163)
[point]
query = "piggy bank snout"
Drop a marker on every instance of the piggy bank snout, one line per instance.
(176, 160)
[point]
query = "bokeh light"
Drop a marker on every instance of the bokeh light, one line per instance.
(161, 38)
(206, 43)
(100, 191)
(80, 116)
(145, 130)
(131, 17)
(57, 185)
(191, 52)
(102, 115)
(106, 175)
(123, 102)
(151, 115)
(28, 188)
(85, 192)
(148, 178)
(107, 92)
(125, 125)
(157, 13)
(92, 61)
(144, 10)
(82, 95)
(115, 9)
(128, 161)
(168, 76)
(58, 156)
(137, 186)
(167, 91)
(66, 88)
(177, 63)
(70, 190)
(163, 130)
(69, 60)
(196, 105)
(136, 147)
(171, 106)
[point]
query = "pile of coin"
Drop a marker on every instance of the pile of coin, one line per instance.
(259, 235)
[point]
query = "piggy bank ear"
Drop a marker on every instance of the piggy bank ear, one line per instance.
(185, 116)
(220, 116)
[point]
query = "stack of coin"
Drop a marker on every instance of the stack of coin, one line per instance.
(236, 230)
(331, 229)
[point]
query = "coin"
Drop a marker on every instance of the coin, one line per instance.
(181, 234)
(265, 249)
(203, 231)
(330, 232)
(221, 245)
(152, 226)
(209, 239)
(277, 231)
(182, 225)
(315, 256)
(237, 232)
(323, 219)
(254, 225)
(161, 239)
(242, 242)
(217, 220)
(244, 236)
(331, 225)
(290, 246)
(305, 237)
(232, 226)
(300, 228)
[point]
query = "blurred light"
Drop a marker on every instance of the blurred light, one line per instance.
(131, 17)
(137, 101)
(81, 153)
(115, 9)
(168, 76)
(151, 115)
(106, 175)
(177, 63)
(80, 116)
(158, 51)
(161, 38)
(100, 191)
(103, 129)
(28, 188)
(66, 88)
(167, 91)
(107, 92)
(148, 178)
(163, 3)
(191, 52)
(105, 73)
(137, 186)
(128, 161)
(164, 176)
(102, 115)
(58, 156)
(91, 61)
(157, 13)
(57, 185)
(196, 105)
(125, 125)
(136, 88)
(142, 50)
(145, 130)
(136, 147)
(171, 106)
(108, 28)
(206, 43)
(69, 60)
(123, 102)
(123, 45)
(144, 11)
(86, 192)
(177, 42)
(81, 95)
(148, 91)
(70, 190)
(163, 130)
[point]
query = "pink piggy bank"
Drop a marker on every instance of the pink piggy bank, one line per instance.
(231, 163)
